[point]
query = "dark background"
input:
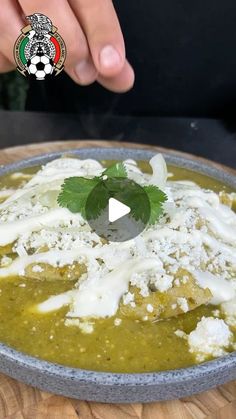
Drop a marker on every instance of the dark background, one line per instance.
(184, 57)
(209, 138)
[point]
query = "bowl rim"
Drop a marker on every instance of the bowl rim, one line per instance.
(210, 168)
(172, 376)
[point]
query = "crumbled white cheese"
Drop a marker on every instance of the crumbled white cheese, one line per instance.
(229, 310)
(216, 313)
(20, 250)
(162, 282)
(150, 308)
(140, 280)
(85, 327)
(128, 298)
(180, 333)
(37, 269)
(5, 261)
(211, 338)
(183, 304)
(72, 322)
(185, 279)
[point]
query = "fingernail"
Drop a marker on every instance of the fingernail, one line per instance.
(109, 57)
(85, 71)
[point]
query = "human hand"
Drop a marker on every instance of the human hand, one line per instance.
(91, 31)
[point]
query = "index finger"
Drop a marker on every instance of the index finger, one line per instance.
(10, 12)
(102, 29)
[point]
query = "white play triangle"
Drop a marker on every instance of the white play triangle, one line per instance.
(117, 210)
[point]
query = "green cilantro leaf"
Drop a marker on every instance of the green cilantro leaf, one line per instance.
(134, 196)
(156, 198)
(97, 201)
(74, 193)
(116, 170)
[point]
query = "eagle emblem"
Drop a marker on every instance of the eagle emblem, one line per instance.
(40, 51)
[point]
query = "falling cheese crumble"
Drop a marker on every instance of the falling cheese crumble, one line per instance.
(196, 235)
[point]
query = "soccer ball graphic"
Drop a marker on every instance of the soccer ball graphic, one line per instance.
(40, 66)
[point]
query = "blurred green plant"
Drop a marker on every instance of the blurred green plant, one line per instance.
(13, 91)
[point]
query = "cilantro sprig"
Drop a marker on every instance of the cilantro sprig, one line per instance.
(75, 193)
(156, 199)
(117, 170)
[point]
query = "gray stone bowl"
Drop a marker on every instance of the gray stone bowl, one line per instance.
(113, 387)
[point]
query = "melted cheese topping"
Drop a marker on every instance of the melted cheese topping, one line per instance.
(196, 234)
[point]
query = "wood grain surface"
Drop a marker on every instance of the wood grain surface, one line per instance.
(19, 401)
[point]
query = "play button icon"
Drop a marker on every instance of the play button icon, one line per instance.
(118, 209)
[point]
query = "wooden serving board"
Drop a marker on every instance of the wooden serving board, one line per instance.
(19, 401)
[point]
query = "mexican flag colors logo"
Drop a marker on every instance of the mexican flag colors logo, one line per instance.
(39, 51)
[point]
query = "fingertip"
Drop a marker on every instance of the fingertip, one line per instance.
(127, 81)
(110, 61)
(86, 72)
(131, 76)
(121, 83)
